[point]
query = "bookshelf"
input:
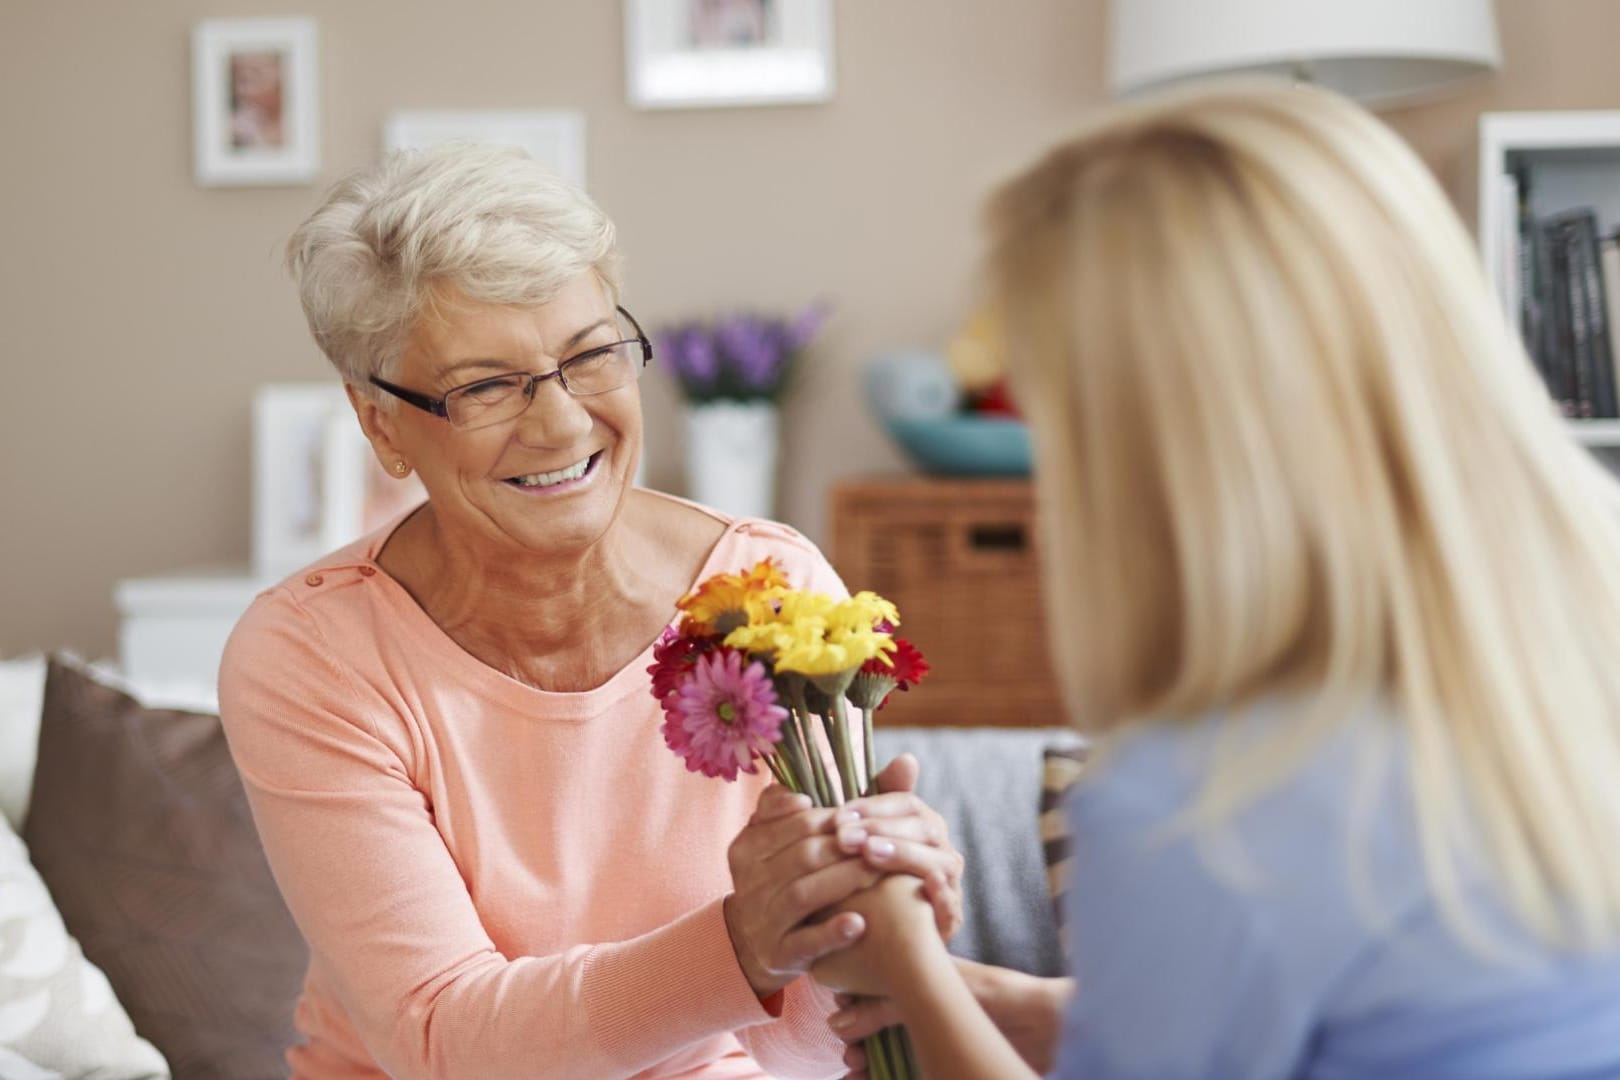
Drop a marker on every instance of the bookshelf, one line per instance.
(1572, 160)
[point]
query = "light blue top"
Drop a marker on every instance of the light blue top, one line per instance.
(1186, 970)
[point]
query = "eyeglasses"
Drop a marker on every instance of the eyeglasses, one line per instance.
(505, 397)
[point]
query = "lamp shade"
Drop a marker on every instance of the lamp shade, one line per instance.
(1376, 51)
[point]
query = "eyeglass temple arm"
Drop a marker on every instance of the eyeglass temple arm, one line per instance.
(641, 335)
(433, 405)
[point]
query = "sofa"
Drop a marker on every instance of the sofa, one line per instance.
(142, 936)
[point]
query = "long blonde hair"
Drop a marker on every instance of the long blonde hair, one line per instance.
(1287, 442)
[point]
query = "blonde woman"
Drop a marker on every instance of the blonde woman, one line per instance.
(1341, 602)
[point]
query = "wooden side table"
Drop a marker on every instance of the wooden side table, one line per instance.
(958, 557)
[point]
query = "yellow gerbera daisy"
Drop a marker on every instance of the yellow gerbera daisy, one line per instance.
(864, 610)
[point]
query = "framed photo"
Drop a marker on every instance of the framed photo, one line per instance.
(691, 53)
(316, 483)
(253, 101)
(555, 138)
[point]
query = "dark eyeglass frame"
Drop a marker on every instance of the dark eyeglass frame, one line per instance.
(438, 407)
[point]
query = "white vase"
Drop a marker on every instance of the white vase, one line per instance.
(731, 456)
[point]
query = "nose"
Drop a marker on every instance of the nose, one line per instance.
(554, 418)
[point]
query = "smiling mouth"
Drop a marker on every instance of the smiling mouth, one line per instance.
(559, 476)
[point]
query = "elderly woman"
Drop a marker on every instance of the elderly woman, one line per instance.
(1337, 595)
(446, 730)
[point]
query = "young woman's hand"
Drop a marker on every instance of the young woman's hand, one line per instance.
(1027, 1009)
(900, 933)
(898, 833)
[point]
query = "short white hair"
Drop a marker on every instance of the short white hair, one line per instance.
(484, 221)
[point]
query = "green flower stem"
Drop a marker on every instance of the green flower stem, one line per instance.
(779, 769)
(793, 742)
(908, 1057)
(877, 1056)
(810, 722)
(818, 768)
(870, 746)
(843, 752)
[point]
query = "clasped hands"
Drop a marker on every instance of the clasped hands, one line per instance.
(803, 880)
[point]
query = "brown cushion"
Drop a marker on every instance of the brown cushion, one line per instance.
(1060, 768)
(140, 828)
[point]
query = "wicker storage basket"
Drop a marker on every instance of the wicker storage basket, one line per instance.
(958, 557)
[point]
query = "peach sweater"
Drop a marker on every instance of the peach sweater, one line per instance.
(496, 881)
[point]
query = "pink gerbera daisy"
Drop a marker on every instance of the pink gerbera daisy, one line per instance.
(724, 715)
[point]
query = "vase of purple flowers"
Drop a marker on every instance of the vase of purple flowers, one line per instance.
(733, 371)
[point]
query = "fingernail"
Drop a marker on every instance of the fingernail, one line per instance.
(851, 929)
(880, 847)
(840, 1022)
(846, 816)
(851, 837)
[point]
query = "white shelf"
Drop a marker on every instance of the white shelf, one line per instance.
(1595, 433)
(1577, 155)
(1573, 159)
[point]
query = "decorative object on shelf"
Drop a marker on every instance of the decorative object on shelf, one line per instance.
(1549, 208)
(966, 444)
(695, 53)
(732, 371)
(254, 102)
(952, 415)
(1379, 52)
(553, 137)
(316, 483)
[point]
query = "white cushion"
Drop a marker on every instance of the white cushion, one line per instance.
(58, 1015)
(22, 690)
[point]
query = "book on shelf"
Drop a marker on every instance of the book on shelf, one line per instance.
(1561, 279)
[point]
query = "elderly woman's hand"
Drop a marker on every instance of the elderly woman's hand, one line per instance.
(786, 868)
(897, 832)
(794, 863)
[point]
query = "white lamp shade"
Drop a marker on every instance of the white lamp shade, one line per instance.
(1377, 51)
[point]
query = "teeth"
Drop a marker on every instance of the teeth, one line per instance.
(546, 479)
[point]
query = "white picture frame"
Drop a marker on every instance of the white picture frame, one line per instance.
(254, 102)
(553, 137)
(316, 483)
(712, 53)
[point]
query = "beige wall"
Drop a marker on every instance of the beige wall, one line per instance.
(138, 311)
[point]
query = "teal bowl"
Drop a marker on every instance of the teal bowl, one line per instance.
(964, 444)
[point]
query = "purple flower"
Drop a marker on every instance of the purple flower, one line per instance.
(691, 351)
(741, 356)
(724, 715)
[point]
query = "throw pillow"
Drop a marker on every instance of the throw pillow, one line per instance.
(1060, 768)
(58, 1017)
(140, 827)
(22, 684)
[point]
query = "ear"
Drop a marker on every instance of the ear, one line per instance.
(379, 428)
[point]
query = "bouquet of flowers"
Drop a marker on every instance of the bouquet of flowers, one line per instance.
(757, 671)
(738, 357)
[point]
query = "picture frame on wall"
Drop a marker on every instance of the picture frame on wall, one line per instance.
(553, 137)
(317, 485)
(709, 53)
(254, 102)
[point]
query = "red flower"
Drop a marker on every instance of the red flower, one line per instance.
(905, 669)
(673, 658)
(909, 665)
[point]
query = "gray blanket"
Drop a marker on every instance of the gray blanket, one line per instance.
(986, 782)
